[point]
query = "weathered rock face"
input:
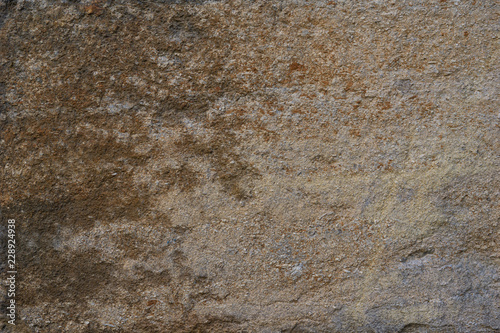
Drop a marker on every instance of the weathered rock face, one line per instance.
(252, 166)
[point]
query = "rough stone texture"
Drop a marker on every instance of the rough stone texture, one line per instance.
(252, 166)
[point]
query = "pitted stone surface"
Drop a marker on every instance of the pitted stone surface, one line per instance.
(251, 166)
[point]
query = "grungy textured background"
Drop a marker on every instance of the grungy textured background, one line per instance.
(251, 166)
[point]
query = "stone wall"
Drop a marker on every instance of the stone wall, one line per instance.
(251, 166)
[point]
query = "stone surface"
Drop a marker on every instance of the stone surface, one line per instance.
(251, 166)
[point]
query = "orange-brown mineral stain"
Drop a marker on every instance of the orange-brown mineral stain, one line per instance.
(151, 302)
(94, 8)
(294, 66)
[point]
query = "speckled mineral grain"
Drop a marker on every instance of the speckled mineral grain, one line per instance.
(251, 166)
